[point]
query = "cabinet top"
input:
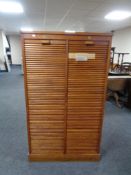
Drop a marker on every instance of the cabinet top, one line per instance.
(67, 36)
(64, 33)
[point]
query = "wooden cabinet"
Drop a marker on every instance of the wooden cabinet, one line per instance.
(65, 82)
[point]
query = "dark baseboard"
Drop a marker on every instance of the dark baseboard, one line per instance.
(3, 71)
(15, 65)
(12, 66)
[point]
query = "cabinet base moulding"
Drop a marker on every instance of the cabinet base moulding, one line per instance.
(39, 157)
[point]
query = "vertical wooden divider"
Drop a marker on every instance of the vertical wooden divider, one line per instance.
(66, 99)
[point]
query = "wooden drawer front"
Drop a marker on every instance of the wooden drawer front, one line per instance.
(46, 78)
(86, 86)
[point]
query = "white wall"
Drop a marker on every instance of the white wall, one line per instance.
(2, 67)
(16, 51)
(122, 42)
(3, 45)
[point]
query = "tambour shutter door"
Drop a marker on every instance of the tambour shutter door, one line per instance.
(45, 73)
(86, 86)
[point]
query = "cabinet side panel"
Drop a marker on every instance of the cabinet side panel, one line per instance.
(26, 92)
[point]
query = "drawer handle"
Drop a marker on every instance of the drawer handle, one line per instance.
(89, 42)
(46, 42)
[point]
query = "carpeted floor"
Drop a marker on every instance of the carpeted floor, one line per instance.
(115, 148)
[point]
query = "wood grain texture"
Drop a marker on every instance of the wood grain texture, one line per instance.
(64, 97)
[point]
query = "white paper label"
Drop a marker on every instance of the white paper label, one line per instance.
(81, 57)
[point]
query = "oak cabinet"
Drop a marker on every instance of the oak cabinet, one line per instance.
(65, 83)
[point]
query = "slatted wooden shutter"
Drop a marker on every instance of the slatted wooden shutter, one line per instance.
(46, 78)
(86, 87)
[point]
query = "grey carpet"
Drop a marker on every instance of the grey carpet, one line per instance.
(115, 148)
